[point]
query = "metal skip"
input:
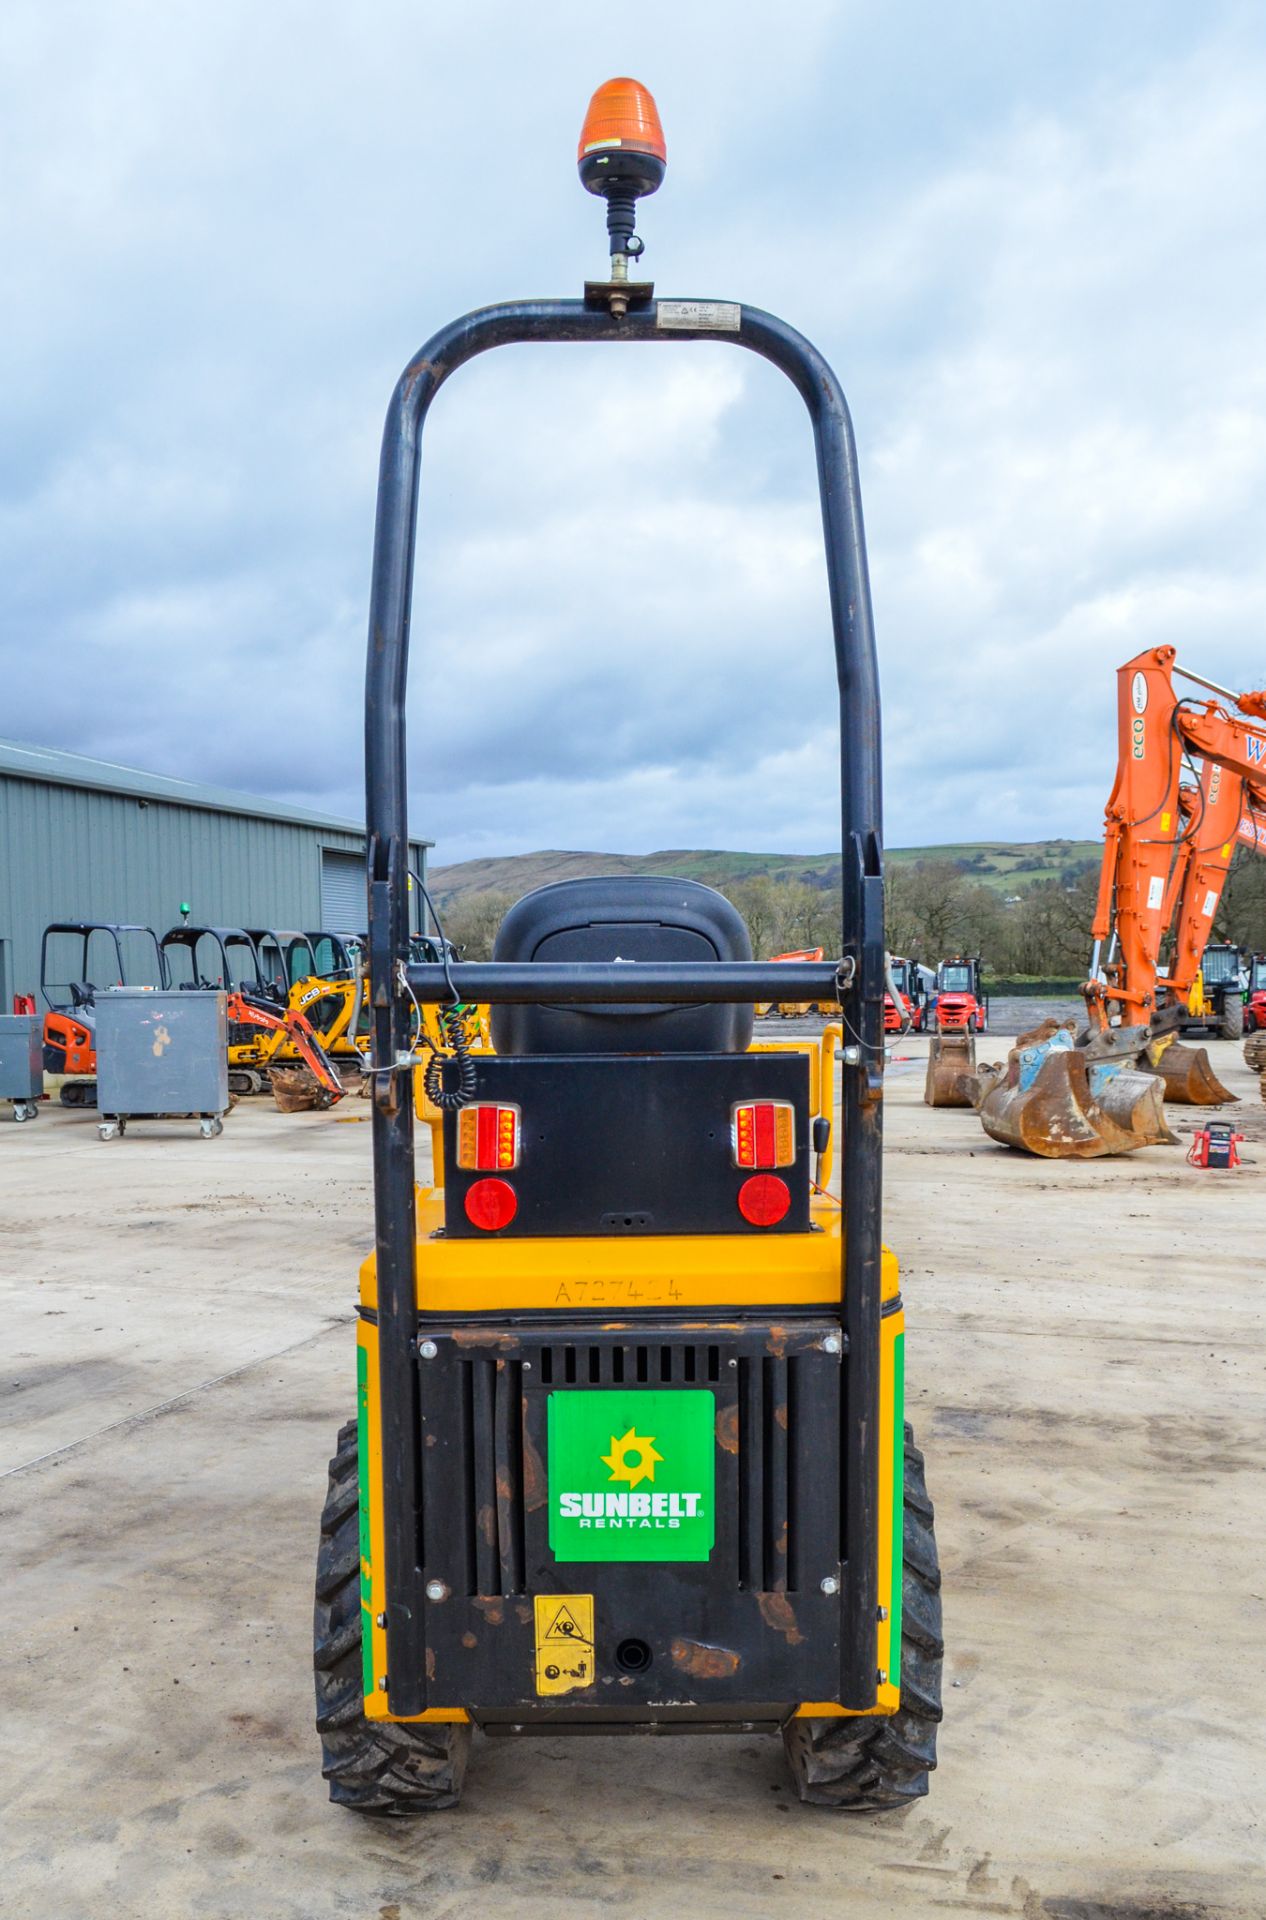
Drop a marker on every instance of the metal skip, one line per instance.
(1066, 1102)
(951, 1077)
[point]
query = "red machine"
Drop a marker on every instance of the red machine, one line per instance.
(960, 1005)
(910, 1007)
(1255, 1010)
(1215, 1145)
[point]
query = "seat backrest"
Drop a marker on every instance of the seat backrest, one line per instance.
(618, 918)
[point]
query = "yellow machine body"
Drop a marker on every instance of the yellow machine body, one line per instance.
(680, 1274)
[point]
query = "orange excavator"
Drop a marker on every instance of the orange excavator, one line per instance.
(1168, 845)
(1168, 848)
(252, 1009)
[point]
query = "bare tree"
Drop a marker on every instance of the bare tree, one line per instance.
(901, 914)
(1049, 927)
(1241, 915)
(808, 917)
(757, 900)
(471, 922)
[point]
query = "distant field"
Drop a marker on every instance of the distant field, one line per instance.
(1006, 866)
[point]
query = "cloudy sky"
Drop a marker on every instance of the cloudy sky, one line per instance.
(1029, 237)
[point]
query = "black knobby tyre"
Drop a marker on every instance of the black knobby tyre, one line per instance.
(869, 1763)
(1231, 1019)
(373, 1766)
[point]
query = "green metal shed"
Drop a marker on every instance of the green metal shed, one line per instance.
(83, 839)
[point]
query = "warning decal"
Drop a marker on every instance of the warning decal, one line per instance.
(564, 1642)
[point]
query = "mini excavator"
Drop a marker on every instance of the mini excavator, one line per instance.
(70, 1022)
(256, 1009)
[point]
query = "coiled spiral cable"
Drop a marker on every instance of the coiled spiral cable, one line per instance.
(453, 1033)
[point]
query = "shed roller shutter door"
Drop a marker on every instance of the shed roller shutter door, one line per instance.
(343, 908)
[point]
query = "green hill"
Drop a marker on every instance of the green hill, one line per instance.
(1007, 866)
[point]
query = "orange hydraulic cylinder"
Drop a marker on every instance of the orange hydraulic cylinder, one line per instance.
(1213, 843)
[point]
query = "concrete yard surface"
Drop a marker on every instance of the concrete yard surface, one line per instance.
(1085, 1348)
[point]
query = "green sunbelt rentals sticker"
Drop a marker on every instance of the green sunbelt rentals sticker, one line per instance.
(632, 1474)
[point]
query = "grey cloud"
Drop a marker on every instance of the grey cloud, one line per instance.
(1027, 240)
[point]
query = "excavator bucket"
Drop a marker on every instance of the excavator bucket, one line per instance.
(1186, 1074)
(951, 1077)
(297, 1090)
(1057, 1100)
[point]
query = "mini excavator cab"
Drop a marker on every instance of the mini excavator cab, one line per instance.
(94, 954)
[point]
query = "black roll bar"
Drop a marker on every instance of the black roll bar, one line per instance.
(84, 930)
(192, 938)
(502, 983)
(862, 944)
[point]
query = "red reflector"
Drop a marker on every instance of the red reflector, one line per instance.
(491, 1204)
(762, 1200)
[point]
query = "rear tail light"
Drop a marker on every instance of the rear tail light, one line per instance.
(488, 1138)
(763, 1134)
(764, 1199)
(491, 1204)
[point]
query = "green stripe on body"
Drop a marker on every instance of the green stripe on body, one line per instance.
(362, 1477)
(898, 1504)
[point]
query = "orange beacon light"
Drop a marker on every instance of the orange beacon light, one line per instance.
(621, 156)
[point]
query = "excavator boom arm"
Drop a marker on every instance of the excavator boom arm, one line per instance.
(1141, 826)
(1167, 847)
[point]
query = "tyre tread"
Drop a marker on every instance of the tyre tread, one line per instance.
(373, 1767)
(871, 1763)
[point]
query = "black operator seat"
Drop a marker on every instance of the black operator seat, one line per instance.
(631, 919)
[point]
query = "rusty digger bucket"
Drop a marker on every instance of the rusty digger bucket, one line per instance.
(1066, 1102)
(1186, 1074)
(951, 1076)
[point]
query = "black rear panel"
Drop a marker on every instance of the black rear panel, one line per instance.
(632, 1143)
(746, 1622)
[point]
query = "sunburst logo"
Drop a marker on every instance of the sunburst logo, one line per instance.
(633, 1458)
(632, 1474)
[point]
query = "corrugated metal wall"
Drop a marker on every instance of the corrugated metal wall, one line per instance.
(67, 853)
(342, 890)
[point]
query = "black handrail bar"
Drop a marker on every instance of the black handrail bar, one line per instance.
(530, 983)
